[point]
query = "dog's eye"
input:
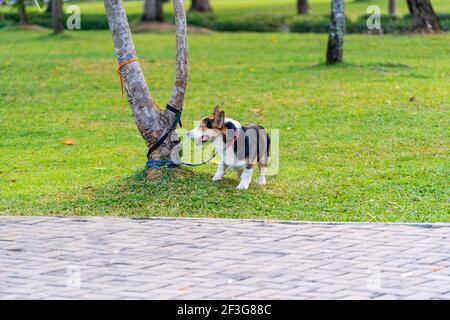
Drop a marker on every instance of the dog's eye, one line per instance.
(209, 124)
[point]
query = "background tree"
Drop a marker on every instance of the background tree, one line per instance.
(392, 7)
(57, 16)
(49, 7)
(302, 7)
(151, 122)
(336, 37)
(423, 17)
(23, 17)
(153, 11)
(201, 6)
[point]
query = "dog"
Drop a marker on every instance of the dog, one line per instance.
(239, 147)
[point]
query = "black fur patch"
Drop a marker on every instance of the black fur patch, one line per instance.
(253, 143)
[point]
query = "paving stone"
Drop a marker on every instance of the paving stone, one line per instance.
(165, 258)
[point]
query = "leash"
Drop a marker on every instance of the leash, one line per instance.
(165, 135)
(160, 163)
(169, 164)
(121, 79)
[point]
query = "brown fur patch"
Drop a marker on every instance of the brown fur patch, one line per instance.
(214, 121)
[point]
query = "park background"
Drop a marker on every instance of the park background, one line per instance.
(364, 140)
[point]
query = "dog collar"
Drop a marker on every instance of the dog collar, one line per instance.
(236, 135)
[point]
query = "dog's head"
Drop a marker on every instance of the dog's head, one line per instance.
(209, 128)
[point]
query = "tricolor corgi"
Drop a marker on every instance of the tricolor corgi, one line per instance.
(239, 147)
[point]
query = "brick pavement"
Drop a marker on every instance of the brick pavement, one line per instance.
(125, 258)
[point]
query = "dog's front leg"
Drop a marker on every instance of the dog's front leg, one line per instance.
(246, 178)
(220, 171)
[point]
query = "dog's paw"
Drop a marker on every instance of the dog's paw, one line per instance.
(242, 186)
(217, 178)
(261, 180)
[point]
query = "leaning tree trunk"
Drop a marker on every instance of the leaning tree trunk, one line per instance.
(201, 6)
(23, 17)
(57, 16)
(392, 7)
(153, 11)
(151, 122)
(423, 17)
(302, 7)
(336, 36)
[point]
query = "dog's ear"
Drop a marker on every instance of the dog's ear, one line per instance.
(220, 119)
(216, 111)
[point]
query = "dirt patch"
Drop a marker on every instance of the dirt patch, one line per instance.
(31, 27)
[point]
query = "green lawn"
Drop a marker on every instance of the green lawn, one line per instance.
(242, 15)
(353, 147)
(232, 8)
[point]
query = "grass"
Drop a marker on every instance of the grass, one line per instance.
(353, 146)
(250, 15)
(233, 8)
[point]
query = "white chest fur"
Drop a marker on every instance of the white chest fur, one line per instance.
(228, 158)
(227, 155)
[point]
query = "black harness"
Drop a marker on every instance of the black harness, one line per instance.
(165, 135)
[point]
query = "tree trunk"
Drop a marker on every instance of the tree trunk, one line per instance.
(201, 6)
(49, 7)
(302, 7)
(392, 8)
(151, 123)
(336, 36)
(153, 11)
(423, 17)
(23, 17)
(57, 16)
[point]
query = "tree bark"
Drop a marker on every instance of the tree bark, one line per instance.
(57, 16)
(336, 36)
(423, 17)
(392, 7)
(23, 17)
(153, 11)
(150, 122)
(49, 7)
(200, 6)
(302, 7)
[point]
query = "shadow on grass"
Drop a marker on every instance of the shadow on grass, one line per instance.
(51, 36)
(180, 192)
(347, 65)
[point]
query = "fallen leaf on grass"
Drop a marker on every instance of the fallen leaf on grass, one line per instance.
(214, 161)
(256, 110)
(68, 142)
(412, 99)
